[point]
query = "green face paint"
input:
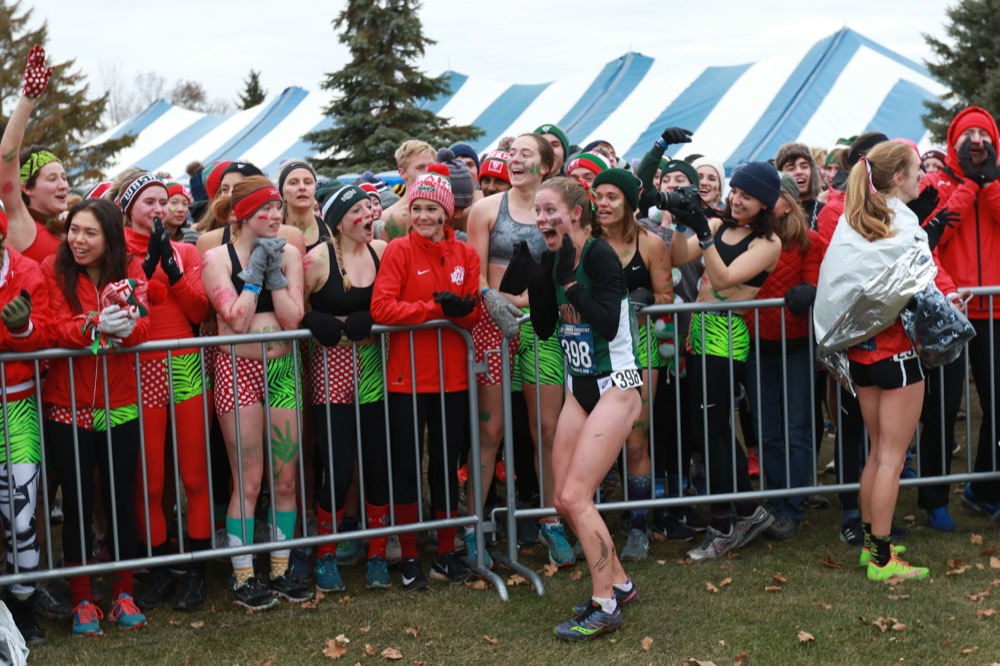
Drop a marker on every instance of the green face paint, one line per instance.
(484, 415)
(9, 156)
(533, 169)
(284, 448)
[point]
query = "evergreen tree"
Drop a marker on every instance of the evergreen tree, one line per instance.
(969, 66)
(252, 94)
(64, 117)
(374, 109)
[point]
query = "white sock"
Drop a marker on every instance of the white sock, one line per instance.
(607, 605)
(624, 587)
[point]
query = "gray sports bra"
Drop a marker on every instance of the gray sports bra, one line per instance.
(507, 232)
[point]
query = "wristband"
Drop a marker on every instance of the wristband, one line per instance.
(660, 143)
(705, 244)
(681, 228)
(482, 292)
(252, 288)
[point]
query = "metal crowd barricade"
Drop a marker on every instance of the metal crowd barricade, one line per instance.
(676, 497)
(204, 346)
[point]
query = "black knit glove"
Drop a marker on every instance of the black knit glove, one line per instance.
(167, 260)
(152, 259)
(520, 271)
(565, 262)
(324, 327)
(673, 136)
(696, 220)
(358, 325)
(936, 227)
(924, 204)
(454, 305)
(799, 298)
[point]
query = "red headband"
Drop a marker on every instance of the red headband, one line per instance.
(254, 201)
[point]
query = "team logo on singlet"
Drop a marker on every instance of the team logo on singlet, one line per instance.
(458, 275)
(569, 314)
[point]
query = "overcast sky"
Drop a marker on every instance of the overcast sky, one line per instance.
(292, 42)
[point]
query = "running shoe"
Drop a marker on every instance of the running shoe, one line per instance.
(713, 546)
(553, 535)
(393, 551)
(896, 568)
(623, 598)
(636, 546)
(940, 520)
(52, 602)
(747, 529)
(86, 618)
(470, 548)
(159, 591)
(985, 507)
(671, 527)
(350, 552)
(328, 577)
(412, 575)
(783, 528)
(254, 595)
(866, 554)
(590, 623)
(298, 564)
(126, 613)
(689, 518)
(378, 573)
(449, 568)
(527, 529)
(288, 587)
(191, 596)
(852, 533)
(25, 618)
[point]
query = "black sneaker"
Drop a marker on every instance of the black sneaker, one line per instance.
(412, 575)
(690, 519)
(52, 602)
(290, 588)
(23, 612)
(448, 568)
(254, 595)
(161, 588)
(191, 596)
(897, 531)
(670, 527)
(852, 533)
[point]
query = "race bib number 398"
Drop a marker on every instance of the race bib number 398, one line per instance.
(627, 379)
(577, 341)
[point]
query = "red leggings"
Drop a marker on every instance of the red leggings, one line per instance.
(189, 422)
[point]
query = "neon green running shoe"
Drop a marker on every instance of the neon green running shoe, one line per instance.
(866, 554)
(896, 568)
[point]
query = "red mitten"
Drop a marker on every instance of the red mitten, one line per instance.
(36, 74)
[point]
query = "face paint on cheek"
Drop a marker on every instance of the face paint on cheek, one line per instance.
(533, 169)
(441, 220)
(358, 220)
(8, 188)
(556, 221)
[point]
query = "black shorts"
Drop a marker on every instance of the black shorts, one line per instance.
(890, 373)
(588, 390)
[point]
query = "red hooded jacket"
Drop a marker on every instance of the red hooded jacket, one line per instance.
(412, 269)
(23, 273)
(794, 267)
(67, 331)
(969, 251)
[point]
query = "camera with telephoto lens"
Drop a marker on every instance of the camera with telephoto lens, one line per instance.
(682, 198)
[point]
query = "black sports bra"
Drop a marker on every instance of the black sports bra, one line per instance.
(331, 297)
(729, 253)
(636, 273)
(264, 301)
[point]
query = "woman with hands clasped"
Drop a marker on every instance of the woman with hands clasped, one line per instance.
(254, 283)
(347, 376)
(427, 275)
(579, 292)
(98, 299)
(740, 251)
(143, 200)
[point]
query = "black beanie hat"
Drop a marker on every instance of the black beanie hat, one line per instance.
(289, 167)
(244, 168)
(465, 150)
(340, 202)
(462, 187)
(760, 180)
(624, 181)
(681, 166)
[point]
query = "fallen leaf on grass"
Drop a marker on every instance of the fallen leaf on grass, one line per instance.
(392, 654)
(772, 588)
(976, 539)
(516, 579)
(732, 555)
(885, 623)
(197, 624)
(658, 537)
(711, 587)
(334, 649)
(978, 596)
(778, 578)
(344, 600)
(980, 567)
(310, 605)
(806, 637)
(910, 518)
(478, 584)
(992, 550)
(897, 597)
(831, 563)
(825, 606)
(413, 631)
(365, 629)
(576, 575)
(983, 614)
(550, 570)
(725, 581)
(994, 562)
(646, 643)
(968, 650)
(419, 663)
(684, 560)
(370, 650)
(691, 661)
(341, 638)
(174, 623)
(959, 571)
(661, 562)
(742, 656)
(952, 563)
(490, 640)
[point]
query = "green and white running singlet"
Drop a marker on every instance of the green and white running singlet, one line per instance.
(587, 353)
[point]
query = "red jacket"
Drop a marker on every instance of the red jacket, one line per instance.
(186, 303)
(66, 330)
(969, 251)
(794, 267)
(23, 273)
(412, 269)
(827, 220)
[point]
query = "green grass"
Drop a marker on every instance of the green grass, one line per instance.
(684, 619)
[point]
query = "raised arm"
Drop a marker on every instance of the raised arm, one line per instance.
(237, 310)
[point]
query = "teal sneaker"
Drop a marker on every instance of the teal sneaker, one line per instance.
(470, 549)
(350, 552)
(86, 618)
(378, 573)
(328, 577)
(553, 535)
(126, 613)
(590, 623)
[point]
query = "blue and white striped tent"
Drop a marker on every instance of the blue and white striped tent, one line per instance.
(844, 84)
